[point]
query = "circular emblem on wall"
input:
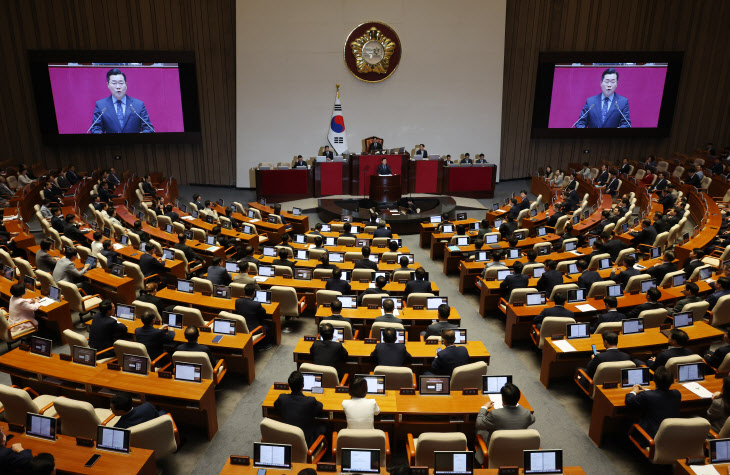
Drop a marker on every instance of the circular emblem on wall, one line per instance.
(372, 51)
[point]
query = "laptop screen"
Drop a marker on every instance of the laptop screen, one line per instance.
(173, 320)
(537, 298)
(433, 303)
(125, 240)
(460, 336)
(222, 326)
(338, 335)
(719, 450)
(84, 356)
(604, 263)
(41, 346)
(493, 384)
(347, 301)
(40, 426)
(632, 325)
(125, 312)
(336, 256)
(301, 255)
(655, 252)
(266, 271)
(263, 296)
(614, 291)
(330, 241)
(376, 383)
(513, 253)
(577, 295)
(54, 293)
(678, 280)
(497, 223)
(683, 319)
(269, 251)
(435, 385)
(222, 291)
(185, 286)
(8, 273)
(462, 241)
(271, 455)
(537, 272)
(435, 219)
(453, 463)
(578, 330)
(29, 281)
(705, 273)
(573, 269)
(400, 336)
(690, 372)
(191, 372)
(134, 364)
(491, 238)
(520, 235)
(231, 266)
(247, 229)
(646, 285)
(541, 231)
(117, 270)
(311, 380)
(447, 228)
(168, 254)
(360, 461)
(303, 273)
(502, 274)
(296, 211)
(481, 256)
(570, 246)
(300, 238)
(543, 461)
(632, 376)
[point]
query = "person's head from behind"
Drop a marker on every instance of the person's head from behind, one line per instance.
(404, 261)
(42, 464)
(70, 252)
(510, 394)
(610, 302)
(249, 290)
(243, 267)
(380, 282)
(347, 227)
(610, 339)
(283, 254)
(550, 264)
(724, 283)
(420, 273)
(116, 81)
(296, 382)
(678, 337)
(389, 335)
(444, 311)
(653, 295)
(106, 307)
(358, 387)
(691, 289)
(337, 274)
(559, 299)
(148, 318)
(393, 245)
(336, 307)
(318, 241)
(582, 264)
(326, 331)
(388, 305)
(663, 378)
(121, 403)
(17, 290)
(365, 251)
(629, 261)
(531, 255)
(191, 334)
(448, 337)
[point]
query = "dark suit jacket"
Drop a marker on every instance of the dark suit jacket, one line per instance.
(73, 233)
(219, 275)
(330, 155)
(660, 184)
(58, 223)
(72, 177)
(659, 271)
(299, 410)
(602, 178)
(694, 180)
(416, 286)
(646, 236)
(449, 358)
(666, 201)
(143, 236)
(507, 228)
(111, 257)
(366, 264)
(591, 117)
(390, 354)
(44, 261)
(338, 285)
(384, 170)
(301, 163)
(329, 353)
(715, 296)
(10, 460)
(190, 255)
(512, 282)
(612, 187)
(622, 278)
(109, 124)
(383, 232)
(337, 317)
(625, 168)
(655, 406)
(138, 415)
(154, 300)
(610, 316)
(435, 329)
(252, 311)
(371, 292)
(149, 265)
(548, 280)
(613, 247)
(556, 311)
(715, 358)
(689, 268)
(644, 306)
(285, 263)
(197, 347)
(388, 318)
(664, 356)
(603, 357)
(104, 331)
(153, 339)
(588, 278)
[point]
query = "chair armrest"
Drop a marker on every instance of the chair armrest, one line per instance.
(344, 379)
(481, 446)
(411, 449)
(217, 378)
(321, 442)
(414, 381)
(195, 268)
(302, 304)
(31, 391)
(535, 335)
(356, 334)
(47, 407)
(334, 445)
(422, 338)
(159, 358)
(387, 447)
(106, 421)
(111, 348)
(153, 275)
(713, 434)
(580, 373)
(20, 323)
(642, 432)
(258, 328)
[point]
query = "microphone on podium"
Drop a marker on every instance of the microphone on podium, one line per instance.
(96, 120)
(131, 107)
(622, 114)
(582, 115)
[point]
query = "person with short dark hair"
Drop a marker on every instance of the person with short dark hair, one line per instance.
(511, 416)
(549, 279)
(299, 410)
(390, 353)
(678, 340)
(387, 316)
(359, 411)
(622, 277)
(658, 271)
(722, 288)
(283, 259)
(324, 261)
(612, 353)
(337, 284)
(611, 314)
(191, 335)
(346, 228)
(690, 292)
(418, 285)
(517, 280)
(658, 404)
(42, 464)
(190, 255)
(365, 262)
(606, 109)
(105, 329)
(217, 273)
(587, 277)
(243, 278)
(255, 315)
(652, 303)
(129, 416)
(107, 250)
(380, 283)
(150, 265)
(436, 328)
(153, 338)
(327, 352)
(558, 310)
(139, 231)
(336, 308)
(43, 260)
(382, 231)
(450, 357)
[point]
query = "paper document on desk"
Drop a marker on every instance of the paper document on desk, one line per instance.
(586, 308)
(46, 301)
(639, 267)
(213, 248)
(710, 281)
(698, 389)
(253, 220)
(497, 400)
(564, 346)
(116, 246)
(395, 312)
(704, 469)
(187, 218)
(576, 253)
(502, 210)
(371, 285)
(259, 278)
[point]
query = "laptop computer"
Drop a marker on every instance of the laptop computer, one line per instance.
(222, 291)
(433, 303)
(719, 450)
(400, 336)
(41, 346)
(632, 376)
(578, 330)
(311, 381)
(535, 299)
(683, 319)
(347, 301)
(434, 385)
(125, 312)
(453, 463)
(134, 364)
(185, 286)
(460, 336)
(537, 272)
(360, 461)
(491, 238)
(577, 295)
(231, 266)
(543, 461)
(272, 455)
(301, 255)
(493, 384)
(83, 356)
(376, 383)
(614, 290)
(303, 273)
(41, 427)
(689, 372)
(221, 326)
(646, 285)
(117, 270)
(266, 271)
(632, 326)
(172, 320)
(263, 296)
(190, 372)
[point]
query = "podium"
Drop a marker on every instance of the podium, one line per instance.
(385, 188)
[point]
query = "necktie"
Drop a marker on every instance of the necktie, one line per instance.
(120, 114)
(604, 110)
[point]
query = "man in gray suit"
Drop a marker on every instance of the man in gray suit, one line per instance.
(511, 416)
(387, 316)
(43, 260)
(442, 324)
(243, 277)
(66, 271)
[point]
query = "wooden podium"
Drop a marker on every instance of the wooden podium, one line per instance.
(385, 188)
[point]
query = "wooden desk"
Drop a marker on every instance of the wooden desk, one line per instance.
(706, 214)
(189, 403)
(118, 289)
(164, 238)
(427, 230)
(302, 286)
(211, 306)
(272, 231)
(70, 458)
(609, 406)
(59, 313)
(558, 364)
(229, 469)
(188, 221)
(359, 354)
(681, 467)
(299, 223)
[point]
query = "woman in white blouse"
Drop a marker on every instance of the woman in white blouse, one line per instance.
(360, 412)
(22, 310)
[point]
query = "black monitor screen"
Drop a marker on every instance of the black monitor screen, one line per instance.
(453, 463)
(271, 455)
(112, 438)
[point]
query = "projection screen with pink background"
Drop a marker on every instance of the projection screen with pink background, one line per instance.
(643, 86)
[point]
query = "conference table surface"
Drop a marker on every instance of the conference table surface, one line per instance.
(57, 312)
(230, 469)
(318, 284)
(70, 458)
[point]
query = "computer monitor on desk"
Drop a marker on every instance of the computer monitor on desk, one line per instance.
(347, 301)
(190, 372)
(633, 376)
(221, 326)
(360, 461)
(543, 461)
(494, 384)
(42, 427)
(434, 385)
(376, 383)
(41, 346)
(83, 356)
(453, 463)
(134, 364)
(632, 326)
(312, 381)
(719, 450)
(125, 312)
(272, 455)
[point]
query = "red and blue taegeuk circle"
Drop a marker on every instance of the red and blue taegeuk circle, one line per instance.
(338, 124)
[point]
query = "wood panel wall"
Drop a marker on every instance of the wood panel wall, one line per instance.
(699, 28)
(205, 27)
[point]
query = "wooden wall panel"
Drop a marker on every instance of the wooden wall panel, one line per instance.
(699, 28)
(205, 27)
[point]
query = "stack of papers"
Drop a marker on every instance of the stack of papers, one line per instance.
(260, 279)
(576, 253)
(186, 218)
(46, 301)
(213, 248)
(586, 308)
(704, 469)
(564, 346)
(699, 390)
(116, 246)
(497, 400)
(253, 220)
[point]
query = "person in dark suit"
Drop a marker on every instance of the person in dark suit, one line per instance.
(105, 329)
(693, 262)
(148, 295)
(694, 178)
(255, 315)
(661, 182)
(511, 416)
(192, 257)
(299, 410)
(150, 265)
(652, 303)
(658, 404)
(607, 109)
(382, 231)
(666, 200)
(153, 338)
(558, 213)
(550, 278)
(121, 406)
(326, 352)
(514, 210)
(387, 316)
(52, 193)
(120, 113)
(336, 308)
(435, 329)
(390, 353)
(612, 354)
(722, 288)
(336, 283)
(448, 161)
(467, 159)
(300, 162)
(419, 285)
(15, 457)
(375, 146)
(137, 229)
(108, 252)
(217, 273)
(72, 232)
(514, 281)
(678, 340)
(324, 261)
(450, 357)
(365, 262)
(283, 260)
(174, 217)
(43, 260)
(508, 227)
(658, 271)
(480, 159)
(587, 277)
(191, 335)
(625, 167)
(603, 176)
(612, 246)
(690, 292)
(380, 283)
(327, 153)
(71, 176)
(422, 151)
(646, 236)
(611, 315)
(346, 231)
(556, 311)
(612, 185)
(622, 278)
(384, 168)
(715, 358)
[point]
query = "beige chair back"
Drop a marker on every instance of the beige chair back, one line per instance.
(24, 268)
(140, 308)
(429, 442)
(282, 271)
(360, 439)
(190, 316)
(329, 374)
(672, 363)
(609, 371)
(202, 285)
(275, 432)
(396, 377)
(623, 253)
(71, 293)
(600, 288)
(678, 439)
(17, 404)
(78, 418)
(348, 241)
(339, 323)
(286, 297)
(562, 289)
(133, 271)
(634, 283)
(401, 274)
(552, 326)
(653, 318)
(75, 339)
(608, 327)
(468, 376)
(698, 309)
(389, 257)
(506, 447)
(371, 299)
(358, 274)
(721, 311)
(326, 296)
(157, 435)
(321, 273)
(122, 347)
(379, 241)
(520, 295)
(418, 298)
(378, 327)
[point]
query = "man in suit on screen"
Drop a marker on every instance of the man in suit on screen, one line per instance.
(384, 168)
(606, 110)
(120, 113)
